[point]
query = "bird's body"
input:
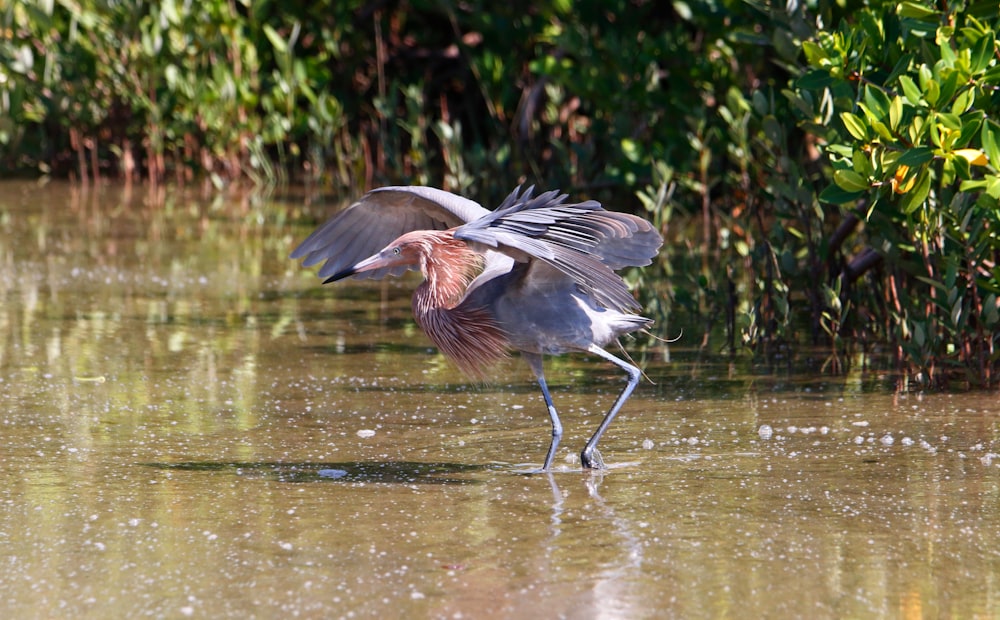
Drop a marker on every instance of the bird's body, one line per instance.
(536, 275)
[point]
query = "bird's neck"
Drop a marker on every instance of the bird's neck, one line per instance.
(448, 266)
(468, 335)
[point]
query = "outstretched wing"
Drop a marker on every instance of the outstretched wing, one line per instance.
(376, 219)
(581, 240)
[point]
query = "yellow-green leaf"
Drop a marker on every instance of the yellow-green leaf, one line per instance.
(895, 112)
(276, 40)
(815, 55)
(993, 187)
(854, 125)
(991, 142)
(913, 199)
(883, 131)
(910, 89)
(963, 101)
(932, 92)
(850, 180)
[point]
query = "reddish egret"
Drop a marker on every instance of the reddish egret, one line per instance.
(536, 275)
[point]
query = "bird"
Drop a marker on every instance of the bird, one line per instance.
(537, 275)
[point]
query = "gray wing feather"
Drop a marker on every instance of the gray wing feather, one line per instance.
(582, 240)
(381, 215)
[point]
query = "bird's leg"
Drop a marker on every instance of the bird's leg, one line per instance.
(590, 458)
(535, 361)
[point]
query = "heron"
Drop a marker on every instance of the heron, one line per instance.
(537, 275)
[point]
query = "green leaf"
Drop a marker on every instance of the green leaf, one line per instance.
(916, 197)
(981, 9)
(956, 313)
(816, 79)
(797, 101)
(883, 131)
(970, 127)
(833, 194)
(982, 52)
(895, 112)
(961, 166)
(564, 7)
(963, 101)
(850, 181)
(970, 186)
(814, 53)
(910, 89)
(915, 11)
(919, 335)
(949, 86)
(990, 136)
(932, 92)
(925, 75)
(992, 76)
(991, 314)
(993, 186)
(870, 116)
(855, 126)
(631, 150)
(872, 27)
(840, 150)
(169, 8)
(917, 129)
(276, 41)
(877, 101)
(916, 156)
(951, 121)
(861, 164)
(902, 65)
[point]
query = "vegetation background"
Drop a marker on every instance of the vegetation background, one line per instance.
(827, 173)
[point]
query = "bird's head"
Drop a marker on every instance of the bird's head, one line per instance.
(406, 250)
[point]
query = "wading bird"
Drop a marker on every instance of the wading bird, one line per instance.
(537, 275)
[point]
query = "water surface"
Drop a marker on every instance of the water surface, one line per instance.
(192, 427)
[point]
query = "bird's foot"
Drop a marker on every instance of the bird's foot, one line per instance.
(534, 471)
(591, 459)
(529, 470)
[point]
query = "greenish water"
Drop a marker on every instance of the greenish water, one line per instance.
(192, 427)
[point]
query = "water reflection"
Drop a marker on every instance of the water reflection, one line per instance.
(390, 472)
(192, 426)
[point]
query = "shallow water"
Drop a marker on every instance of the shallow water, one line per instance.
(192, 427)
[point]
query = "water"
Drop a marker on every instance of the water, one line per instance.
(193, 427)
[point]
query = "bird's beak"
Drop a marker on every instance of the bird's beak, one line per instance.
(376, 261)
(350, 271)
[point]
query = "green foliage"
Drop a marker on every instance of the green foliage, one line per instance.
(214, 88)
(582, 95)
(850, 195)
(914, 91)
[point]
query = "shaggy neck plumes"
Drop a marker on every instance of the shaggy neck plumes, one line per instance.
(467, 335)
(448, 266)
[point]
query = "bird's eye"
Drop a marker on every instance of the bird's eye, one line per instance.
(396, 250)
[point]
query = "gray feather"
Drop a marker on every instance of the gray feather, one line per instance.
(581, 240)
(376, 219)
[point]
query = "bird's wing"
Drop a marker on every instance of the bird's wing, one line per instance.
(581, 240)
(376, 219)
